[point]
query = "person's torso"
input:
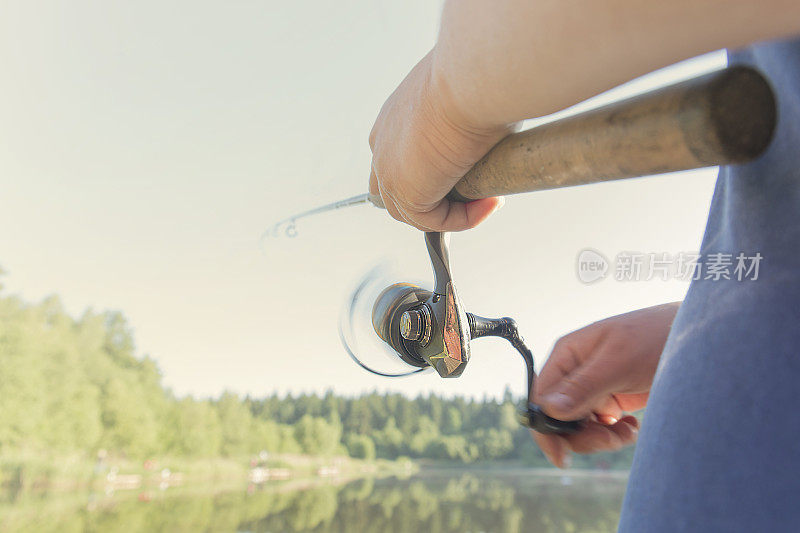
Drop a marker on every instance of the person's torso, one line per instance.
(720, 444)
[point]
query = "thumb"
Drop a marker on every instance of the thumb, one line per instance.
(581, 391)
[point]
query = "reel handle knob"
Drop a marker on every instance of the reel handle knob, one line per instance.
(534, 418)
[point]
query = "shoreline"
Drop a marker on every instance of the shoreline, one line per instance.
(34, 475)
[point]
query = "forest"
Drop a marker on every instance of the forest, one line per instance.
(76, 385)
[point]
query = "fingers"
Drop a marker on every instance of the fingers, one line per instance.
(390, 205)
(579, 392)
(453, 216)
(445, 216)
(594, 437)
(555, 448)
(597, 437)
(422, 143)
(374, 188)
(610, 411)
(574, 383)
(563, 359)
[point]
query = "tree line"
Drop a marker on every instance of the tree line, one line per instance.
(76, 385)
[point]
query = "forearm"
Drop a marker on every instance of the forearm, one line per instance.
(500, 61)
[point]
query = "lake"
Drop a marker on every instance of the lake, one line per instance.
(507, 501)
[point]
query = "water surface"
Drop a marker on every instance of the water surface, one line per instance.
(441, 501)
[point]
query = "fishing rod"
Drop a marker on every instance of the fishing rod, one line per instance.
(723, 118)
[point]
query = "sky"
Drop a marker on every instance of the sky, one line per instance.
(144, 147)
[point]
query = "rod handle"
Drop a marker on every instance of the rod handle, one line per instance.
(725, 117)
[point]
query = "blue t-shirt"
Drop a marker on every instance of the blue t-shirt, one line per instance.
(719, 448)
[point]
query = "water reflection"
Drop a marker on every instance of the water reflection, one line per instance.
(478, 501)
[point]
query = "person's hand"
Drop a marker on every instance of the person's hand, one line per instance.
(600, 372)
(421, 146)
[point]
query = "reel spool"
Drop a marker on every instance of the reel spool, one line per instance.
(420, 329)
(357, 333)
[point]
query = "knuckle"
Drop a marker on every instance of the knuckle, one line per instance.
(578, 387)
(372, 135)
(565, 354)
(413, 196)
(564, 346)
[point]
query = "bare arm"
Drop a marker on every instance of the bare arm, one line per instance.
(497, 62)
(507, 60)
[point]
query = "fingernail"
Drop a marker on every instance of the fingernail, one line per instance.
(501, 201)
(558, 401)
(632, 422)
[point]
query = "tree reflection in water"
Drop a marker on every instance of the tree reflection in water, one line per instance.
(477, 501)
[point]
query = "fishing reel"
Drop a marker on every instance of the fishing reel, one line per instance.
(430, 329)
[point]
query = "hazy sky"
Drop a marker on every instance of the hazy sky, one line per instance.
(144, 146)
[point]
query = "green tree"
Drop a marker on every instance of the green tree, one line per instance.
(361, 447)
(425, 432)
(317, 436)
(194, 429)
(389, 441)
(128, 425)
(235, 420)
(452, 421)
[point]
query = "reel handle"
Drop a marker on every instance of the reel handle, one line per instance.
(725, 117)
(532, 416)
(427, 328)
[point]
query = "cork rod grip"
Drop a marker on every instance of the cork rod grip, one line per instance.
(725, 117)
